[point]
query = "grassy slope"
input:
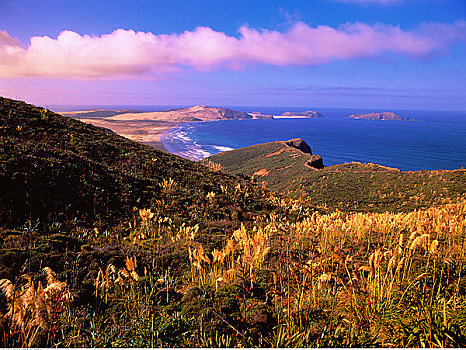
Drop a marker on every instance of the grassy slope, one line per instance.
(353, 186)
(61, 177)
(275, 162)
(54, 168)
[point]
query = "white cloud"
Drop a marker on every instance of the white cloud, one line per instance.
(144, 55)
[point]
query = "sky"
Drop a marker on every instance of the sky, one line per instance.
(399, 54)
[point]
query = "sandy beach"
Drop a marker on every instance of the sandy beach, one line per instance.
(144, 131)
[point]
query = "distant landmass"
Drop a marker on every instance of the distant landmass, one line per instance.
(305, 114)
(98, 113)
(148, 127)
(196, 113)
(377, 116)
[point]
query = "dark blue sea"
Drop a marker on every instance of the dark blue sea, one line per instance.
(434, 140)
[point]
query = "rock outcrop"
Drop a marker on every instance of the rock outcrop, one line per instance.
(262, 116)
(225, 113)
(259, 115)
(315, 162)
(299, 144)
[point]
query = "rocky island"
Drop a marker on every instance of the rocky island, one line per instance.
(305, 114)
(377, 116)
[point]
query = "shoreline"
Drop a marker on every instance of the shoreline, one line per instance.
(193, 154)
(153, 133)
(163, 137)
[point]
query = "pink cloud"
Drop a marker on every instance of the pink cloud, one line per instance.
(130, 54)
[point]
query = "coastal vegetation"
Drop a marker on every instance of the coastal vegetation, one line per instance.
(105, 242)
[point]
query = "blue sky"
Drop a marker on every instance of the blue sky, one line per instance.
(328, 53)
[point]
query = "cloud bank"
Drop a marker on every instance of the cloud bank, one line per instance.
(144, 55)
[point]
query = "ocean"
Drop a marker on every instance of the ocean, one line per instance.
(434, 140)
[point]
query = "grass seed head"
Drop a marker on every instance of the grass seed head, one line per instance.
(49, 275)
(433, 247)
(8, 288)
(325, 277)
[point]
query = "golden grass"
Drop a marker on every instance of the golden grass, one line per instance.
(212, 166)
(397, 255)
(364, 275)
(32, 308)
(242, 255)
(108, 279)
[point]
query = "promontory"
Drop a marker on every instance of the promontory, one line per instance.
(148, 127)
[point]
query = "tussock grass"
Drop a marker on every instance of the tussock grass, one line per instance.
(33, 308)
(157, 251)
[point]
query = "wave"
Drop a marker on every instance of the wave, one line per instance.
(222, 148)
(179, 141)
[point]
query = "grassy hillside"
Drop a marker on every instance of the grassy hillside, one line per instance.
(72, 194)
(350, 186)
(108, 243)
(57, 169)
(274, 162)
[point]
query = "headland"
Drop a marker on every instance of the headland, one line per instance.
(149, 127)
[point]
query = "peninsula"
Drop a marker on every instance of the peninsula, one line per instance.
(148, 127)
(276, 162)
